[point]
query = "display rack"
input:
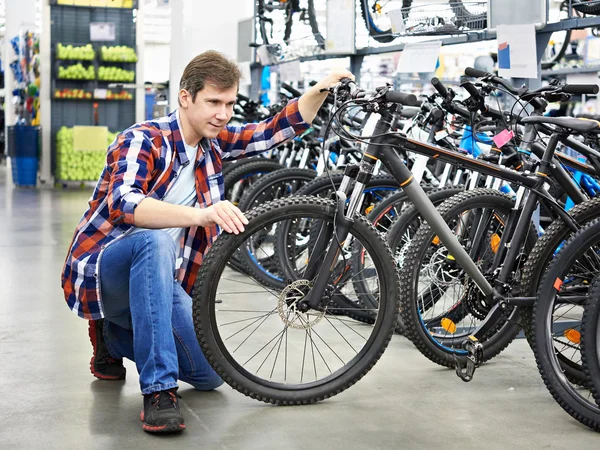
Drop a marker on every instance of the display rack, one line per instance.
(542, 38)
(70, 25)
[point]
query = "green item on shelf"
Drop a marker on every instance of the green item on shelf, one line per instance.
(78, 165)
(32, 90)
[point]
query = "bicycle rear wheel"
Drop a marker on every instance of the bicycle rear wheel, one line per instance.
(376, 20)
(259, 340)
(590, 339)
(440, 304)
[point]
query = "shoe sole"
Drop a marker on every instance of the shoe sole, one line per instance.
(172, 426)
(102, 376)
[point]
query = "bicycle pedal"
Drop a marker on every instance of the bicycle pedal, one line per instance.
(474, 358)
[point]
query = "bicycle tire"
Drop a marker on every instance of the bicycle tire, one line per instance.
(590, 340)
(260, 192)
(244, 170)
(540, 258)
(312, 21)
(252, 197)
(548, 64)
(583, 7)
(207, 328)
(503, 332)
(470, 20)
(248, 169)
(543, 345)
(379, 35)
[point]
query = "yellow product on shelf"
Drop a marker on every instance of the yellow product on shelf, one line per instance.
(114, 3)
(127, 3)
(98, 3)
(81, 2)
(65, 2)
(83, 164)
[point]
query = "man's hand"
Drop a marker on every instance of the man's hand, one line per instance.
(225, 214)
(332, 79)
(311, 101)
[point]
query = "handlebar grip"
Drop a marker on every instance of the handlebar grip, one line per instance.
(242, 97)
(291, 90)
(437, 84)
(472, 90)
(475, 73)
(580, 88)
(401, 97)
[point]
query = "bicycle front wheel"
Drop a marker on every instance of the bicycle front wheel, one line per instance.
(557, 319)
(261, 341)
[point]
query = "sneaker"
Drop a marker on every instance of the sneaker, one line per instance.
(161, 412)
(102, 365)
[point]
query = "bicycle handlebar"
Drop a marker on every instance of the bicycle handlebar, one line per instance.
(437, 84)
(580, 88)
(401, 97)
(295, 92)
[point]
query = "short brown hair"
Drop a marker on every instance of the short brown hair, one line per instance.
(209, 66)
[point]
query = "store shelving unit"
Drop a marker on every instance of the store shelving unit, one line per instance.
(70, 25)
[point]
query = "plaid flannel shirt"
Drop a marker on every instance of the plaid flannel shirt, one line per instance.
(143, 161)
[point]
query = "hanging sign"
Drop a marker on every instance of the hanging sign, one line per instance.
(102, 31)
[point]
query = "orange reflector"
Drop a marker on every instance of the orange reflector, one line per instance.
(436, 241)
(378, 8)
(557, 284)
(369, 209)
(448, 325)
(495, 242)
(573, 335)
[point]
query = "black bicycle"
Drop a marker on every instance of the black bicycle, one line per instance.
(286, 346)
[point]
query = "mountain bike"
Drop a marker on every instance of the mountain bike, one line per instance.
(274, 344)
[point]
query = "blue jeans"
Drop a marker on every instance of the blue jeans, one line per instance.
(148, 315)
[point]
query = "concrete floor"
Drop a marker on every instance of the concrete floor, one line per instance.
(49, 399)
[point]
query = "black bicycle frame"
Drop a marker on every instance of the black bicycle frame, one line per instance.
(386, 148)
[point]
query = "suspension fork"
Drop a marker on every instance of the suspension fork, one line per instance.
(335, 236)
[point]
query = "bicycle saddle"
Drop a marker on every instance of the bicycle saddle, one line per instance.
(579, 125)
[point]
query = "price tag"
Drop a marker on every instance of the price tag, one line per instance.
(441, 135)
(100, 94)
(102, 31)
(503, 137)
(397, 21)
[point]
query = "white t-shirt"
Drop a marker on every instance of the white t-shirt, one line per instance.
(182, 191)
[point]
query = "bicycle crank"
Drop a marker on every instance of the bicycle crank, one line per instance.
(465, 370)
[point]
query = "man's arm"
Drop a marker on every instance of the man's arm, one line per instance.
(313, 99)
(253, 138)
(131, 161)
(152, 213)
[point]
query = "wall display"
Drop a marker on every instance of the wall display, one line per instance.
(82, 72)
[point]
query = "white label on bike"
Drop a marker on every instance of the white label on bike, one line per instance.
(441, 135)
